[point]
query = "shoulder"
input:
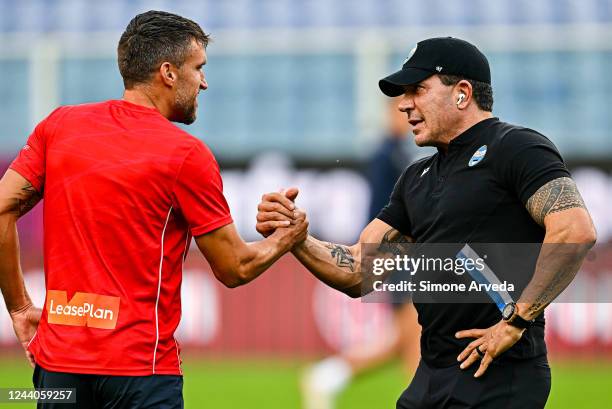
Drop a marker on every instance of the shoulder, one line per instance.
(511, 140)
(75, 112)
(514, 135)
(59, 113)
(80, 108)
(196, 152)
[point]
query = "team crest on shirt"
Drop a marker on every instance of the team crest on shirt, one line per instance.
(478, 156)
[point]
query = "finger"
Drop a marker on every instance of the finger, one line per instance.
(278, 198)
(301, 224)
(468, 350)
(275, 207)
(271, 225)
(291, 193)
(299, 215)
(470, 333)
(272, 216)
(484, 364)
(473, 357)
(30, 359)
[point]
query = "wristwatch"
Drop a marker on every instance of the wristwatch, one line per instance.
(511, 316)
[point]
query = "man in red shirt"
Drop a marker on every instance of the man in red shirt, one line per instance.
(125, 191)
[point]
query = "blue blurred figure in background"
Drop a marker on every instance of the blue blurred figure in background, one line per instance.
(389, 159)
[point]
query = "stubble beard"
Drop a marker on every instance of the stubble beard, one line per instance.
(185, 107)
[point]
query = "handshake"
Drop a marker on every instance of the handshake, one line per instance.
(277, 216)
(339, 266)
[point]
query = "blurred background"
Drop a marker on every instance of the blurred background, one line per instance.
(293, 100)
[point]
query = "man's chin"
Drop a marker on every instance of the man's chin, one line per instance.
(422, 141)
(189, 121)
(188, 117)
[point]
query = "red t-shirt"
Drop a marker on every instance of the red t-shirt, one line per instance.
(124, 192)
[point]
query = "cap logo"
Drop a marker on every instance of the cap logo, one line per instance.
(438, 68)
(410, 54)
(478, 156)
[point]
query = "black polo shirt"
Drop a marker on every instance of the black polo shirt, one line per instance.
(476, 192)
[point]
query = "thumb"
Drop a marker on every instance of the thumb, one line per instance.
(292, 193)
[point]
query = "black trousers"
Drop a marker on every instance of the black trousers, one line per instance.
(113, 392)
(505, 385)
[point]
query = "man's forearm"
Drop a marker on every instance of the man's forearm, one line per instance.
(334, 264)
(11, 277)
(559, 208)
(260, 256)
(557, 265)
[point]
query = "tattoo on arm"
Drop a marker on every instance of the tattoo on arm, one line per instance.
(342, 255)
(555, 196)
(557, 266)
(393, 241)
(29, 198)
(558, 284)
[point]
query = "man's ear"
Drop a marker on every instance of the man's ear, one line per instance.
(462, 94)
(168, 74)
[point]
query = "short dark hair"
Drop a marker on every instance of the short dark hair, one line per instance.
(481, 91)
(152, 38)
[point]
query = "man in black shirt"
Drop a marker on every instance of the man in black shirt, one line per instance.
(489, 182)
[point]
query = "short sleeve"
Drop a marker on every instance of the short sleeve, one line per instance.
(31, 160)
(530, 161)
(198, 192)
(394, 213)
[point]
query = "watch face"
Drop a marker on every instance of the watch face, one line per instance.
(508, 311)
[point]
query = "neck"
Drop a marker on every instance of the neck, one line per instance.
(144, 97)
(467, 122)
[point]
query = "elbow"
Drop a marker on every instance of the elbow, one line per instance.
(353, 291)
(579, 232)
(234, 278)
(586, 236)
(590, 239)
(230, 282)
(353, 294)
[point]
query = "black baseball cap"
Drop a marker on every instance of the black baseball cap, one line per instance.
(440, 55)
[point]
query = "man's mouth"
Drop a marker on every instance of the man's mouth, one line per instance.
(414, 122)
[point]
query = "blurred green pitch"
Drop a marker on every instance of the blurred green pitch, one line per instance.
(274, 384)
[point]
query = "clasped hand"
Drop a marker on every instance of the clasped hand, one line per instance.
(277, 210)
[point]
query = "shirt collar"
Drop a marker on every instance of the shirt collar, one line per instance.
(467, 136)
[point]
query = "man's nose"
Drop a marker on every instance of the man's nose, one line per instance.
(203, 84)
(406, 103)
